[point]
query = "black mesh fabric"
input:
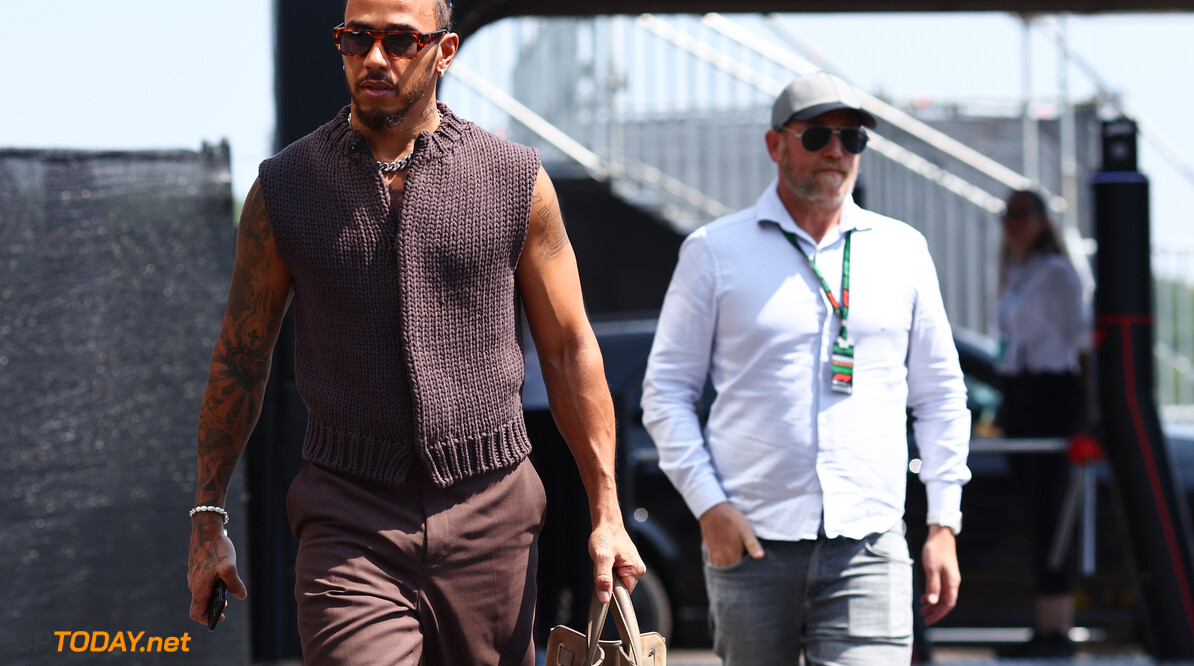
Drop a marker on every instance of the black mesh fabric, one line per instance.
(114, 270)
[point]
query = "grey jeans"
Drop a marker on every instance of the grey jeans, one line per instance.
(842, 602)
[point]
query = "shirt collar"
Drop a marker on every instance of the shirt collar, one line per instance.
(770, 209)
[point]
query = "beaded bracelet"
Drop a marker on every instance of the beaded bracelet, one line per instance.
(213, 509)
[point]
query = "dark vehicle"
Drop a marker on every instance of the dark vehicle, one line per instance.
(993, 549)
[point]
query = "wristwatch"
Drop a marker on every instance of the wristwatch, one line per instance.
(950, 519)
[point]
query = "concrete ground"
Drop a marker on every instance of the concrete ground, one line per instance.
(975, 656)
(950, 655)
(943, 657)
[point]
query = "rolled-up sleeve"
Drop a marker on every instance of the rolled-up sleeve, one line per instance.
(676, 372)
(937, 395)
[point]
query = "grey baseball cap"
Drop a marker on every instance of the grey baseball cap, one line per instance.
(810, 96)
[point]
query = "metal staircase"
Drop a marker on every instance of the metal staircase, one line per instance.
(671, 112)
(688, 144)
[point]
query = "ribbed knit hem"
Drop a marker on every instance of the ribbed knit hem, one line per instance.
(373, 458)
(389, 462)
(451, 461)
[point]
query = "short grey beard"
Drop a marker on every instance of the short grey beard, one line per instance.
(808, 191)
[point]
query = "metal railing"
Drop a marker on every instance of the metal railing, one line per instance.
(672, 112)
(1173, 345)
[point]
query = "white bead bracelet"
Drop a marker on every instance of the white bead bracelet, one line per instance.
(213, 509)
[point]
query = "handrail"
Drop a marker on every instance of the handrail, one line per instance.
(678, 189)
(1150, 132)
(950, 181)
(769, 86)
(1176, 360)
(801, 46)
(700, 49)
(1018, 444)
(696, 47)
(598, 168)
(588, 159)
(891, 114)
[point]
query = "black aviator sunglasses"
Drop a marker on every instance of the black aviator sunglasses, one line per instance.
(398, 44)
(817, 137)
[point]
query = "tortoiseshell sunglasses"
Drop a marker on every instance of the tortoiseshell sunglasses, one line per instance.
(404, 44)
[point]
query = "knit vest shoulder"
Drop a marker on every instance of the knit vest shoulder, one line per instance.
(408, 344)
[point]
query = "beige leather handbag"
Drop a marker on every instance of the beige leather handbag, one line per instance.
(568, 647)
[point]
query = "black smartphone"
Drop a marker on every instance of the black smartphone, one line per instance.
(216, 604)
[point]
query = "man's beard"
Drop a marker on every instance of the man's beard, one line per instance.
(380, 120)
(814, 192)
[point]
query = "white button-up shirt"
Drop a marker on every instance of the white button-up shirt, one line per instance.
(747, 311)
(1043, 319)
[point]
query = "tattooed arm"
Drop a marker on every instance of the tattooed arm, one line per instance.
(257, 300)
(575, 377)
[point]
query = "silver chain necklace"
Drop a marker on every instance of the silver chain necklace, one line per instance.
(396, 166)
(399, 164)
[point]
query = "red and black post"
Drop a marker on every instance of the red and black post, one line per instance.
(1158, 520)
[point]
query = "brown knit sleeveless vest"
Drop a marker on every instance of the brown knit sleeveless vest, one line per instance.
(408, 341)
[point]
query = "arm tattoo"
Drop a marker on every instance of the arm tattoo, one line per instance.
(241, 360)
(243, 350)
(245, 365)
(215, 468)
(553, 238)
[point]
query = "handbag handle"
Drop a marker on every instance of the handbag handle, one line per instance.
(624, 619)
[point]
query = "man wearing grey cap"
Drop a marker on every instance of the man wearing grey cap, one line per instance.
(819, 324)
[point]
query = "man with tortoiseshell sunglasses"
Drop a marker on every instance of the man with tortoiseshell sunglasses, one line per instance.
(819, 324)
(408, 238)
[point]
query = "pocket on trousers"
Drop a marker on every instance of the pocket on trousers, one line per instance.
(536, 495)
(729, 568)
(292, 496)
(891, 546)
(882, 604)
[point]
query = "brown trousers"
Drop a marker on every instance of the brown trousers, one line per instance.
(416, 574)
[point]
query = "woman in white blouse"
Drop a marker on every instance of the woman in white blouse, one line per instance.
(1045, 334)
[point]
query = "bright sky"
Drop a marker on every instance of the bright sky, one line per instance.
(86, 78)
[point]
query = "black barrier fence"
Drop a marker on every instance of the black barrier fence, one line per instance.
(114, 270)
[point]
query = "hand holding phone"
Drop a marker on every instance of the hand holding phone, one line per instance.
(216, 603)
